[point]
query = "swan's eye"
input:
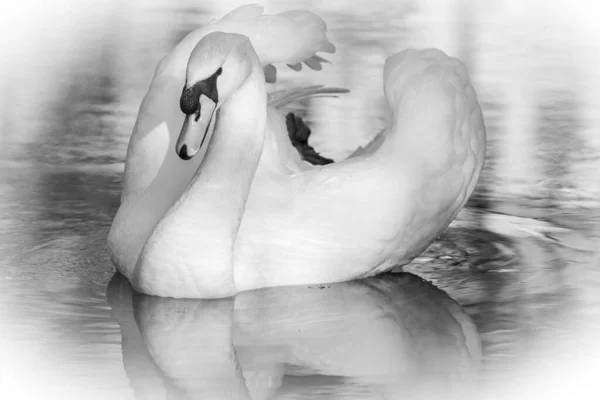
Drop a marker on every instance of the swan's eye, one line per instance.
(190, 97)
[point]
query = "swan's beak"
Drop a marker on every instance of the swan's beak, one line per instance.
(195, 129)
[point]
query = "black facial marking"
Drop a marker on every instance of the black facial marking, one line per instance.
(190, 97)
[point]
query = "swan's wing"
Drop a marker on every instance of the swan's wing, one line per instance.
(284, 97)
(372, 146)
(249, 11)
(279, 150)
(292, 38)
(280, 132)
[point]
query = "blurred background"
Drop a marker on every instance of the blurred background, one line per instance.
(521, 259)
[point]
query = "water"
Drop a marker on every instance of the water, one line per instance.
(520, 262)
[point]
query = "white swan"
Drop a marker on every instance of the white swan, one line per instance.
(155, 177)
(250, 218)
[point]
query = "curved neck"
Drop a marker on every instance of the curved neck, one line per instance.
(236, 145)
(205, 220)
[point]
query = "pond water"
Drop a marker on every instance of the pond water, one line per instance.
(510, 288)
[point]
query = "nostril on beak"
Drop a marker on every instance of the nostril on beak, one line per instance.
(183, 154)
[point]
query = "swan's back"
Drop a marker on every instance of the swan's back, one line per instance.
(380, 208)
(438, 136)
(436, 112)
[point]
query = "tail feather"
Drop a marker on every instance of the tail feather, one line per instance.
(296, 67)
(284, 97)
(270, 73)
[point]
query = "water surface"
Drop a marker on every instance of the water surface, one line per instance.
(517, 272)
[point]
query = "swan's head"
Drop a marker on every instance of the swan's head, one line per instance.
(217, 67)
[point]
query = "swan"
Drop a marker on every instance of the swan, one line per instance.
(155, 176)
(254, 216)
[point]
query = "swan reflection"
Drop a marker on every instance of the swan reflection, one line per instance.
(381, 337)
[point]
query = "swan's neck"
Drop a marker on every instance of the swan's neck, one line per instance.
(220, 187)
(236, 145)
(200, 229)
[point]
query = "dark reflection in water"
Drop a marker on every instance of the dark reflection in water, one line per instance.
(522, 260)
(384, 337)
